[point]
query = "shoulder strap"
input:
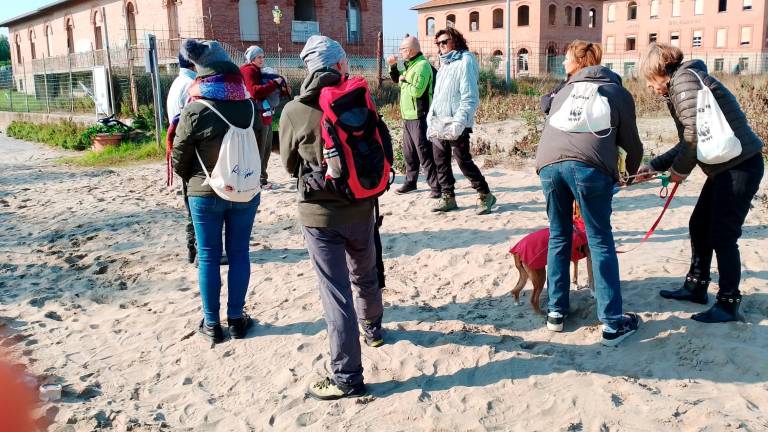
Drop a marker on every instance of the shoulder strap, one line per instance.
(697, 76)
(210, 107)
(253, 114)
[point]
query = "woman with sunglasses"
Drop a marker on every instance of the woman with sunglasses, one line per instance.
(451, 117)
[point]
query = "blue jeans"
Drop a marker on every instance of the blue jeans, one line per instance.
(564, 182)
(208, 215)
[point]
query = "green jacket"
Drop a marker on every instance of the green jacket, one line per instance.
(416, 90)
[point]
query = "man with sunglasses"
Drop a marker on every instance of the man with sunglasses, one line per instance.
(416, 85)
(451, 117)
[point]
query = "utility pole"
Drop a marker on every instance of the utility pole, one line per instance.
(109, 63)
(509, 44)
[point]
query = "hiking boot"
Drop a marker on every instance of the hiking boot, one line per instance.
(371, 331)
(446, 204)
(404, 189)
(214, 333)
(693, 290)
(328, 389)
(725, 309)
(435, 194)
(555, 321)
(613, 337)
(485, 203)
(238, 327)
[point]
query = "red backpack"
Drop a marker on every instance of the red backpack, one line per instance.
(357, 153)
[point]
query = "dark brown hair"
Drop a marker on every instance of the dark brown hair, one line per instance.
(458, 39)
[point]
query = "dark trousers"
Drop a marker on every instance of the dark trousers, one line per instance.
(265, 148)
(191, 241)
(460, 151)
(417, 152)
(716, 222)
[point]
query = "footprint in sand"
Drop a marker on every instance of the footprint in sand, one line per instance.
(306, 419)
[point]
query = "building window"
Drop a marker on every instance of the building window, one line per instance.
(747, 5)
(697, 36)
(577, 17)
(746, 36)
(610, 44)
(522, 60)
(568, 15)
(722, 37)
(49, 40)
(592, 18)
(304, 10)
(551, 59)
(32, 50)
(474, 21)
(698, 7)
(611, 13)
(130, 16)
(722, 6)
(675, 8)
(719, 65)
(654, 8)
(552, 14)
(70, 37)
(632, 11)
(629, 69)
(430, 26)
(249, 19)
(173, 22)
(98, 39)
(631, 43)
(18, 48)
(354, 25)
(498, 18)
(674, 39)
(743, 64)
(652, 37)
(523, 16)
(450, 21)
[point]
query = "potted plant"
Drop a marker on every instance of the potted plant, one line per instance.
(102, 136)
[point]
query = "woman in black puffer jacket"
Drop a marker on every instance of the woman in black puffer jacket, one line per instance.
(715, 225)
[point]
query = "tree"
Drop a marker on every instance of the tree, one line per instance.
(5, 49)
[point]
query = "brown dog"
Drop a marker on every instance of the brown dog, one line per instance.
(530, 255)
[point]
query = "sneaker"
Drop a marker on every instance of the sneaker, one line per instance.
(446, 204)
(212, 332)
(613, 337)
(238, 327)
(328, 389)
(404, 189)
(435, 194)
(371, 331)
(485, 203)
(224, 260)
(555, 321)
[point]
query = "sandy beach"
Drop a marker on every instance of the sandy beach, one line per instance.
(96, 294)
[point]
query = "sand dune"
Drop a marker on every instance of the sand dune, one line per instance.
(95, 295)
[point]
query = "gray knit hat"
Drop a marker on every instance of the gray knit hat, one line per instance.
(206, 55)
(252, 52)
(321, 52)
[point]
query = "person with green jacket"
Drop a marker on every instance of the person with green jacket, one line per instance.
(416, 84)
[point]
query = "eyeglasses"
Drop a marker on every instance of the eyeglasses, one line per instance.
(443, 42)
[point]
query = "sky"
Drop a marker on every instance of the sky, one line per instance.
(398, 18)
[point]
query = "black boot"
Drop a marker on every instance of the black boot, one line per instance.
(693, 290)
(725, 309)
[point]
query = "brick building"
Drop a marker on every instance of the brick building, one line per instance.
(540, 29)
(729, 35)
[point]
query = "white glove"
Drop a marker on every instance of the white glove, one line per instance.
(431, 133)
(453, 131)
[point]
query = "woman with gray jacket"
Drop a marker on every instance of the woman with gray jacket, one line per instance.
(716, 221)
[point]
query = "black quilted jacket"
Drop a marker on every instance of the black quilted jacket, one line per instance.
(683, 89)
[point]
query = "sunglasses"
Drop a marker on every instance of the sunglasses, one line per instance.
(443, 42)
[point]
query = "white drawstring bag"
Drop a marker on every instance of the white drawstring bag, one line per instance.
(237, 174)
(716, 141)
(585, 110)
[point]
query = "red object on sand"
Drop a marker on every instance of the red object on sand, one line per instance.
(532, 249)
(16, 401)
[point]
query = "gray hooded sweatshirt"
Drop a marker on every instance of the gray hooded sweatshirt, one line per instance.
(602, 153)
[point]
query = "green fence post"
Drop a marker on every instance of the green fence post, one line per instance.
(26, 87)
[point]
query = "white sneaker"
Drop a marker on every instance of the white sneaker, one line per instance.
(555, 321)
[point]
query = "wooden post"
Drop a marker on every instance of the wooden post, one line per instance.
(109, 62)
(379, 58)
(131, 78)
(71, 88)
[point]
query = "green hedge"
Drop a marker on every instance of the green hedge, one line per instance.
(63, 134)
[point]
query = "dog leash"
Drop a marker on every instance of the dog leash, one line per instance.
(663, 193)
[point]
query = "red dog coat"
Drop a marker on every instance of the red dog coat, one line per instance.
(532, 249)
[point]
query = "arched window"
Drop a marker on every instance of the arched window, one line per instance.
(632, 11)
(577, 17)
(130, 17)
(474, 21)
(70, 37)
(552, 14)
(450, 21)
(551, 58)
(654, 8)
(49, 40)
(498, 18)
(354, 25)
(304, 10)
(18, 48)
(522, 60)
(248, 11)
(32, 44)
(592, 18)
(523, 16)
(98, 38)
(430, 26)
(568, 16)
(611, 13)
(173, 21)
(498, 53)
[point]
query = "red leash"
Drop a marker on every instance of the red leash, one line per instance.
(655, 224)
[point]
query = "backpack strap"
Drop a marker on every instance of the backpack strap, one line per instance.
(697, 76)
(210, 107)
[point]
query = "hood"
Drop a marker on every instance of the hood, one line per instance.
(597, 74)
(696, 65)
(315, 82)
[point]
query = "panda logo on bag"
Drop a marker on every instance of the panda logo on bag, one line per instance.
(704, 132)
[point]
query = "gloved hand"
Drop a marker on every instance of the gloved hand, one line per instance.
(431, 133)
(453, 131)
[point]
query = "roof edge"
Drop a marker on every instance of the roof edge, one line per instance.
(33, 13)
